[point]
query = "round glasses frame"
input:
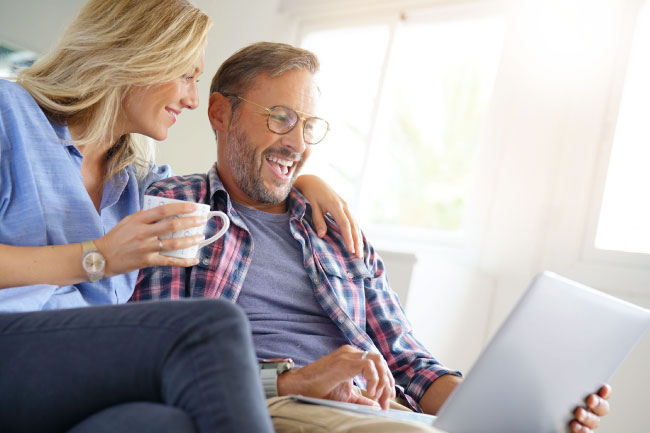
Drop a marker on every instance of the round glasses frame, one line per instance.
(313, 120)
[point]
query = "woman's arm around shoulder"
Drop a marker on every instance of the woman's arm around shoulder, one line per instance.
(325, 200)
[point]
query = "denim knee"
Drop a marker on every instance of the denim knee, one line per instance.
(207, 320)
(209, 311)
(137, 417)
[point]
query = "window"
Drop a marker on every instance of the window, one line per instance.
(407, 104)
(625, 211)
(13, 60)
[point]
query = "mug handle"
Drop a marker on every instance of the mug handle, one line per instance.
(226, 224)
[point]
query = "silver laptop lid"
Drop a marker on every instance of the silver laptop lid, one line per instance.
(561, 342)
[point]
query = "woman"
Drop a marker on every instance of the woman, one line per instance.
(72, 172)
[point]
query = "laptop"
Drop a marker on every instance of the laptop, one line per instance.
(561, 342)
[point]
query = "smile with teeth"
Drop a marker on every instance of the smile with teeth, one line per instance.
(283, 165)
(172, 114)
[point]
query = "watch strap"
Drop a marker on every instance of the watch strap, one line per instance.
(88, 246)
(269, 382)
(270, 369)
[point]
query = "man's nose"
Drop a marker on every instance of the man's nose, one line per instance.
(295, 138)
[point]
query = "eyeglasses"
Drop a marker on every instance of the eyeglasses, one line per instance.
(281, 120)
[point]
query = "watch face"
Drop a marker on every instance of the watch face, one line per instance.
(94, 262)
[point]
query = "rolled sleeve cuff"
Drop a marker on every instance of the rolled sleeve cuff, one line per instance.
(423, 380)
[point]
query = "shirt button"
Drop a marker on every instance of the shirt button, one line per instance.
(340, 319)
(205, 261)
(350, 274)
(316, 280)
(296, 236)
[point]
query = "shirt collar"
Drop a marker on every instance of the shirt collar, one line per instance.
(115, 186)
(297, 204)
(62, 133)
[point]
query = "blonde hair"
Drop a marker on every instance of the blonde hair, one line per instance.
(110, 46)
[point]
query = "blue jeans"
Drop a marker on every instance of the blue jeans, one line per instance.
(179, 366)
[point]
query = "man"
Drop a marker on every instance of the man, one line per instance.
(306, 297)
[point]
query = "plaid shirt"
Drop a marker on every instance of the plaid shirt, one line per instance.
(354, 292)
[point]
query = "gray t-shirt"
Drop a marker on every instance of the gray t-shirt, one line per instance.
(278, 296)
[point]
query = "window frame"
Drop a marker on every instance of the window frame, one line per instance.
(394, 15)
(589, 252)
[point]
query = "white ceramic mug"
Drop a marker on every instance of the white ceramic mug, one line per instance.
(151, 201)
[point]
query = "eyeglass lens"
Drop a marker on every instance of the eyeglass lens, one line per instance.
(283, 119)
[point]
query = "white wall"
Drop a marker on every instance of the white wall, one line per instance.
(539, 177)
(35, 24)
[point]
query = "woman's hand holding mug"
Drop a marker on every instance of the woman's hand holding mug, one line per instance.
(167, 232)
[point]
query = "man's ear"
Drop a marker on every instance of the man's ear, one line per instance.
(219, 112)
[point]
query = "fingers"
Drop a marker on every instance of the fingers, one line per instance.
(177, 243)
(357, 237)
(369, 372)
(577, 427)
(174, 225)
(598, 405)
(318, 220)
(153, 257)
(165, 211)
(358, 244)
(164, 220)
(324, 199)
(379, 380)
(359, 399)
(331, 377)
(133, 244)
(586, 418)
(175, 261)
(605, 391)
(341, 216)
(386, 396)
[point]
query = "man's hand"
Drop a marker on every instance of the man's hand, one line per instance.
(597, 406)
(331, 377)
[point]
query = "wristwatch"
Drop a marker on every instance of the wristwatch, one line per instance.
(92, 261)
(270, 369)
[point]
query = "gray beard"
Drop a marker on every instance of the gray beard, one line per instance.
(247, 169)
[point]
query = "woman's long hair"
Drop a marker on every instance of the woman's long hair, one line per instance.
(110, 46)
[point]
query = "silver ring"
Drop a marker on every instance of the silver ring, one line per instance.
(159, 245)
(364, 354)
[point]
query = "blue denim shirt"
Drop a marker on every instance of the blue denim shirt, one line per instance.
(43, 202)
